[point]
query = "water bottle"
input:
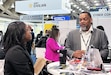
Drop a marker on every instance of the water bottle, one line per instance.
(63, 58)
(90, 56)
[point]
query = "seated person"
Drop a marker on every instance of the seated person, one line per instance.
(52, 45)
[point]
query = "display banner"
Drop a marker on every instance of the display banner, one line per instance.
(100, 12)
(99, 8)
(32, 18)
(106, 14)
(61, 18)
(42, 6)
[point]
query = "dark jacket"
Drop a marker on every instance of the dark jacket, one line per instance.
(38, 38)
(18, 62)
(42, 42)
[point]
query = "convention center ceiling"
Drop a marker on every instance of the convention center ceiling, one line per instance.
(7, 7)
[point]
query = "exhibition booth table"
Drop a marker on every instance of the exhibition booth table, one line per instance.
(55, 69)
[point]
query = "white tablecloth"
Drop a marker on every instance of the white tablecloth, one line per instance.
(40, 52)
(53, 68)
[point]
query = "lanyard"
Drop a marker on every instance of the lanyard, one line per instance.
(86, 43)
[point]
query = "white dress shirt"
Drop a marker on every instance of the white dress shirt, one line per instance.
(85, 38)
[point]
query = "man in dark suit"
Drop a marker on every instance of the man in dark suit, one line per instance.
(38, 36)
(33, 36)
(42, 41)
(80, 39)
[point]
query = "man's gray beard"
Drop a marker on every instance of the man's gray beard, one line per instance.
(83, 28)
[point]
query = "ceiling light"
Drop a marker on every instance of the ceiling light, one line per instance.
(85, 5)
(51, 17)
(97, 4)
(88, 7)
(70, 9)
(71, 3)
(47, 16)
(79, 0)
(75, 5)
(83, 2)
(73, 11)
(96, 1)
(80, 9)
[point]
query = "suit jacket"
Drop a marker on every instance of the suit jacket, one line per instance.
(18, 62)
(42, 42)
(98, 40)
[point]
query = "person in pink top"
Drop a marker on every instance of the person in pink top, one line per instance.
(52, 45)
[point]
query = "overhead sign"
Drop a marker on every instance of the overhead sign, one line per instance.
(61, 18)
(43, 7)
(99, 8)
(101, 14)
(32, 18)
